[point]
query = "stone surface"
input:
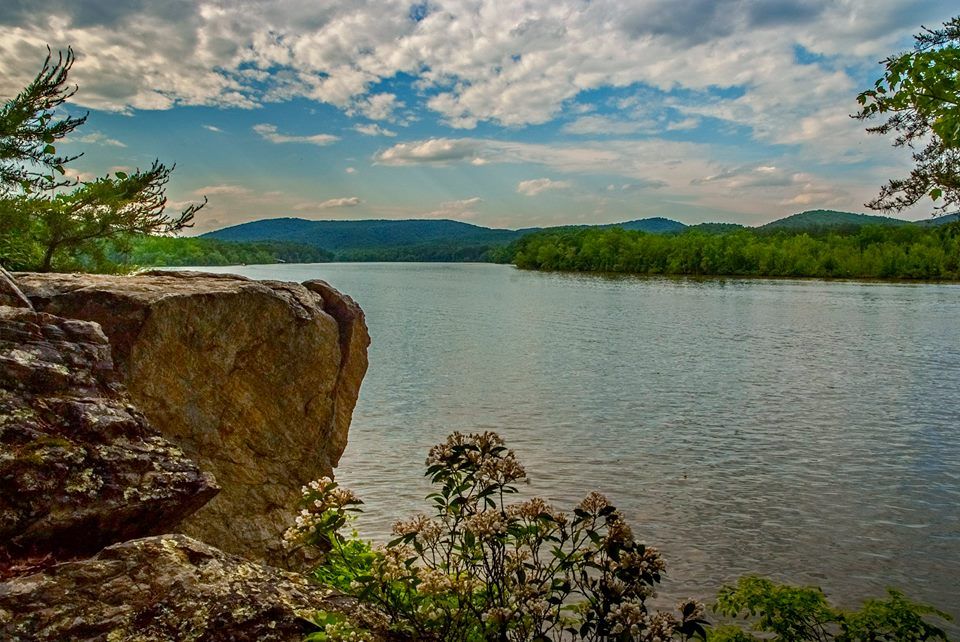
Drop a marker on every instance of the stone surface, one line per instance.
(255, 380)
(10, 294)
(161, 588)
(80, 467)
(354, 341)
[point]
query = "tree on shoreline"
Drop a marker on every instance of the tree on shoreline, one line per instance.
(28, 129)
(919, 95)
(43, 225)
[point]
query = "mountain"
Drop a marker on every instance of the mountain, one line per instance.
(656, 225)
(349, 237)
(829, 218)
(940, 220)
(341, 235)
(448, 240)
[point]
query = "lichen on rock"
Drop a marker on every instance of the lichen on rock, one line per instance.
(80, 467)
(168, 587)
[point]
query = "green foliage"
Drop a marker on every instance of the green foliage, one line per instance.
(823, 219)
(437, 251)
(29, 129)
(901, 252)
(800, 614)
(42, 226)
(354, 236)
(410, 240)
(895, 618)
(919, 95)
(484, 569)
(172, 251)
(791, 613)
(334, 627)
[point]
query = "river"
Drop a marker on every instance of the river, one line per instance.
(804, 430)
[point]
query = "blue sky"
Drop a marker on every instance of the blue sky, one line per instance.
(506, 114)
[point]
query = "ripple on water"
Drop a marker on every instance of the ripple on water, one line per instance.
(803, 430)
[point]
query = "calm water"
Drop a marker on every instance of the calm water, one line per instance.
(804, 430)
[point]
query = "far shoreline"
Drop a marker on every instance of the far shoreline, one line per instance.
(599, 274)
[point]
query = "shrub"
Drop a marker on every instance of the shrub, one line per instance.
(481, 568)
(801, 613)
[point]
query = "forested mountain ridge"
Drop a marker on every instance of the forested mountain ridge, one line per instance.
(448, 240)
(830, 218)
(336, 235)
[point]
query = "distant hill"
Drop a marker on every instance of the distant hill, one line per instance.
(448, 240)
(940, 220)
(657, 225)
(830, 218)
(362, 234)
(431, 239)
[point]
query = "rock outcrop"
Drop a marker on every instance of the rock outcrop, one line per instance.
(10, 293)
(161, 588)
(254, 380)
(80, 467)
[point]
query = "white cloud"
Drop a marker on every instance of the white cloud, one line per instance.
(350, 201)
(439, 151)
(460, 209)
(96, 138)
(674, 66)
(751, 176)
(351, 170)
(480, 60)
(539, 185)
(77, 175)
(684, 124)
(609, 125)
(213, 128)
(638, 185)
(373, 129)
(376, 106)
(223, 189)
(269, 132)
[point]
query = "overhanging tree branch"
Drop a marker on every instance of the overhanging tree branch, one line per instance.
(919, 94)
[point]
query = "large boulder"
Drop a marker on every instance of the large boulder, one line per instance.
(256, 380)
(169, 587)
(80, 467)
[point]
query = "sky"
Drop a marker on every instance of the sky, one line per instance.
(510, 114)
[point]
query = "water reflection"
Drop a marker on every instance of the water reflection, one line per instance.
(800, 429)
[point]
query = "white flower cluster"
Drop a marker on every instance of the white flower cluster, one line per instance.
(346, 632)
(318, 497)
(649, 562)
(482, 452)
(426, 530)
(631, 617)
(532, 509)
(594, 503)
(487, 525)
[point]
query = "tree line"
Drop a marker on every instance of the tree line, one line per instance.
(903, 252)
(150, 251)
